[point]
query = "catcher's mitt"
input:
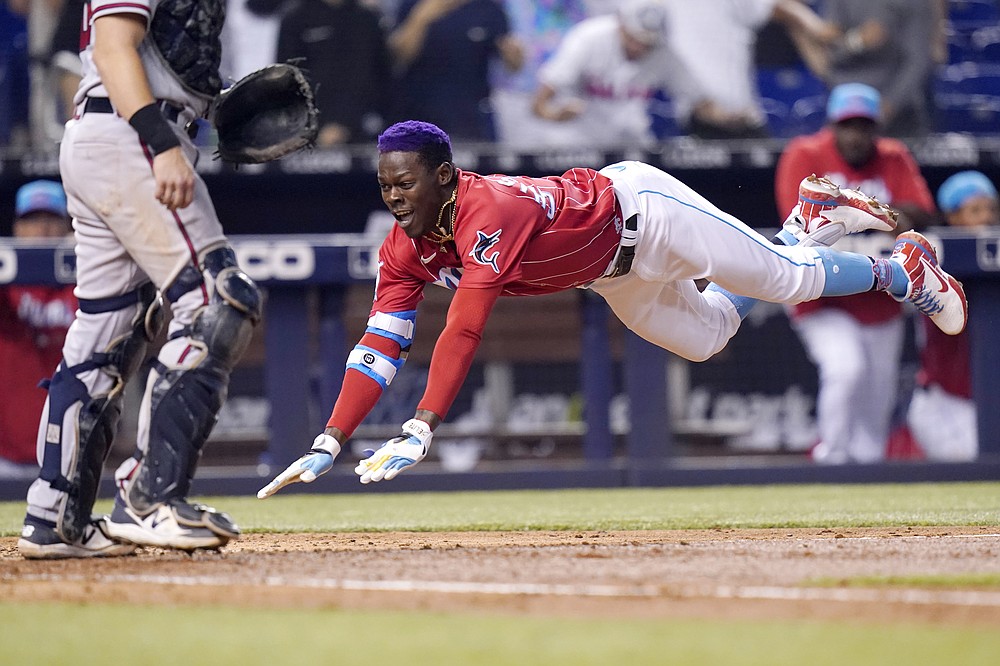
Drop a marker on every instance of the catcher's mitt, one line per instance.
(266, 115)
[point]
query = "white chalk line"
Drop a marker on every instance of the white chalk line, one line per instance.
(973, 598)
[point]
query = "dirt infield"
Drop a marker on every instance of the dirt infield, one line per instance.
(785, 573)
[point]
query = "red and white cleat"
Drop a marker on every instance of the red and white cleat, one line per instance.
(826, 213)
(935, 293)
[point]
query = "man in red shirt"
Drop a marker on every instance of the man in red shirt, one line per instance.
(33, 324)
(634, 234)
(855, 341)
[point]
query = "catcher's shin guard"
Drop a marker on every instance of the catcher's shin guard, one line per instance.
(96, 416)
(187, 388)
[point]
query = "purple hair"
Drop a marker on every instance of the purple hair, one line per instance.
(429, 141)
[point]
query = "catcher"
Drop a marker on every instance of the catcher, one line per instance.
(148, 240)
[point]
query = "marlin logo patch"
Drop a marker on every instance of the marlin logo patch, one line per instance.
(484, 243)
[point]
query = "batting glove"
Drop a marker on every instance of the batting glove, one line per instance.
(317, 462)
(405, 450)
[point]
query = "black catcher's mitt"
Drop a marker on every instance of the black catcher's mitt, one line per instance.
(266, 115)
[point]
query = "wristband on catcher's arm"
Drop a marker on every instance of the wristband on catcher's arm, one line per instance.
(153, 129)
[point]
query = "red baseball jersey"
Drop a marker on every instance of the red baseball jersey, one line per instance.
(892, 177)
(33, 325)
(514, 236)
(530, 235)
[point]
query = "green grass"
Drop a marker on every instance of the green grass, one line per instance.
(953, 582)
(80, 635)
(863, 505)
(97, 634)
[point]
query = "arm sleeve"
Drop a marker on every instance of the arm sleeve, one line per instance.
(456, 348)
(359, 393)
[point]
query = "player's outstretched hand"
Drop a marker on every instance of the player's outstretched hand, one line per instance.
(318, 461)
(405, 450)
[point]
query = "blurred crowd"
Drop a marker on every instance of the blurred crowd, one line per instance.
(541, 73)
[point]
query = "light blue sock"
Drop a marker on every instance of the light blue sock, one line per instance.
(849, 273)
(744, 304)
(786, 238)
(898, 279)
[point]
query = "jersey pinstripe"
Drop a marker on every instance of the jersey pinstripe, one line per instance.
(531, 235)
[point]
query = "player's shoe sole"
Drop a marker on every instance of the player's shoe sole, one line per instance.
(827, 212)
(935, 293)
(40, 541)
(175, 524)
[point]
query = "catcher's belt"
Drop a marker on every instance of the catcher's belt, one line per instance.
(170, 111)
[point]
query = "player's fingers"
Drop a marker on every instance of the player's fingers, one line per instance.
(185, 194)
(167, 196)
(280, 481)
(266, 491)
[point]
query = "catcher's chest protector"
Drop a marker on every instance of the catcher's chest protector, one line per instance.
(186, 33)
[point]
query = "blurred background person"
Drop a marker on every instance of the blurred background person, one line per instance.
(14, 80)
(33, 324)
(856, 341)
(595, 89)
(891, 45)
(343, 51)
(942, 413)
(442, 51)
(540, 26)
(65, 65)
(250, 36)
(715, 42)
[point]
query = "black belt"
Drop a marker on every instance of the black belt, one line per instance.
(627, 252)
(103, 105)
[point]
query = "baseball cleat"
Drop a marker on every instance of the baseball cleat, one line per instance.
(40, 541)
(826, 213)
(174, 524)
(935, 293)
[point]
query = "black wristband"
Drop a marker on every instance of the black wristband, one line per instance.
(153, 129)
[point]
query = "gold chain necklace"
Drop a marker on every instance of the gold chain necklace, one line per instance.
(440, 234)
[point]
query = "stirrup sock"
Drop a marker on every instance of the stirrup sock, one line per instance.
(785, 238)
(890, 276)
(743, 304)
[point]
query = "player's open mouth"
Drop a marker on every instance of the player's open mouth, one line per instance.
(403, 217)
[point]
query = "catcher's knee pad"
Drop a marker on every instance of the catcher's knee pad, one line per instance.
(226, 324)
(187, 387)
(81, 422)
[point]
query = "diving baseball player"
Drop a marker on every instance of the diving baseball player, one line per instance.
(147, 241)
(634, 234)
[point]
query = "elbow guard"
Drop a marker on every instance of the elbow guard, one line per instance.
(396, 326)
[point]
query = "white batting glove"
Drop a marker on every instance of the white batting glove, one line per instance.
(404, 450)
(317, 462)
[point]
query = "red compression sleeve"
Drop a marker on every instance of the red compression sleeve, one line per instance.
(457, 346)
(359, 392)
